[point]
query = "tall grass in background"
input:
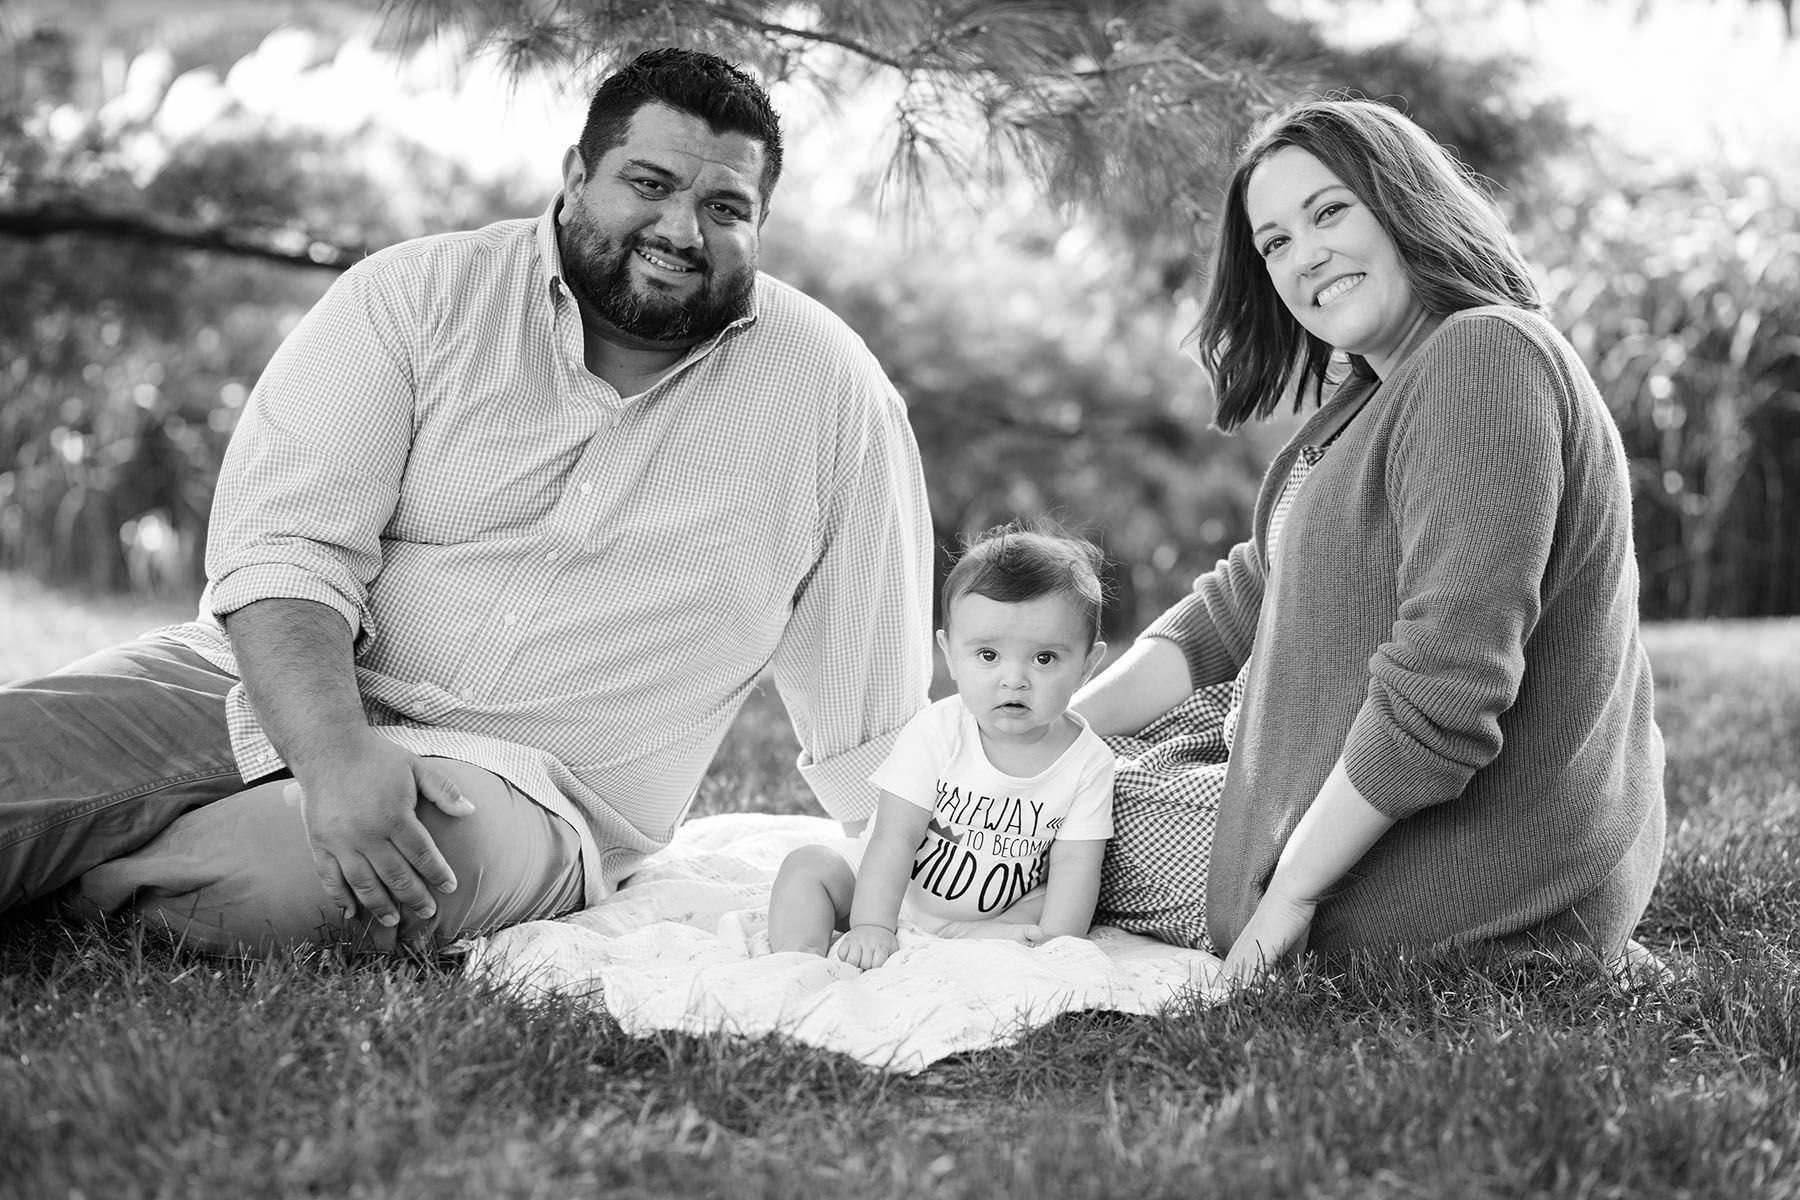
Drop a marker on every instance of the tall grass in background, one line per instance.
(1668, 242)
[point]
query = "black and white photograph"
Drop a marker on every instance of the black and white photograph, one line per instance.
(899, 599)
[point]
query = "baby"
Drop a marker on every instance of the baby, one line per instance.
(996, 803)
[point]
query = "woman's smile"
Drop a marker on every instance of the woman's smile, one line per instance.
(1333, 290)
(1324, 246)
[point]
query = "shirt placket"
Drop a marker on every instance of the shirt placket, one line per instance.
(589, 491)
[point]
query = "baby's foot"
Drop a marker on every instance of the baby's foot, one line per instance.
(748, 928)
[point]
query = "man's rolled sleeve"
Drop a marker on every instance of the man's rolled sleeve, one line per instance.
(288, 581)
(855, 661)
(841, 783)
(313, 471)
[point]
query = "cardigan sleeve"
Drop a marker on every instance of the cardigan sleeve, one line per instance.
(1475, 479)
(1215, 623)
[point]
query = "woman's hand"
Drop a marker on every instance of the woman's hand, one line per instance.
(867, 946)
(1331, 838)
(1275, 931)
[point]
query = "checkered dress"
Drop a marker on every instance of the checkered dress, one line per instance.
(1166, 792)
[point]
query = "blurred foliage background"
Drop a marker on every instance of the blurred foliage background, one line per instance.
(1009, 201)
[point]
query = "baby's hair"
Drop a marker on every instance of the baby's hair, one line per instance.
(1016, 562)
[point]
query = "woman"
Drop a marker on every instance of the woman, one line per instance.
(1441, 729)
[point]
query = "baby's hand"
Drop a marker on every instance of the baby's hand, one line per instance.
(867, 946)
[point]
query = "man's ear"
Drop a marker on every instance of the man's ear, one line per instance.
(574, 173)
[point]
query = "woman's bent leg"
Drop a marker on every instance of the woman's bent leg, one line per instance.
(237, 877)
(1166, 793)
(98, 757)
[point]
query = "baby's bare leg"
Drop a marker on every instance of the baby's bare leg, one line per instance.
(811, 898)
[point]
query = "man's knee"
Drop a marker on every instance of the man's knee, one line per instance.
(237, 876)
(513, 859)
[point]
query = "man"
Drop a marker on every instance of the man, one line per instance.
(511, 524)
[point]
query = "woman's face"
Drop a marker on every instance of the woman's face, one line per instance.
(1330, 260)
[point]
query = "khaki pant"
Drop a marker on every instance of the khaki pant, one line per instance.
(119, 792)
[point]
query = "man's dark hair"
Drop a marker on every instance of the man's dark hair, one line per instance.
(1022, 561)
(705, 85)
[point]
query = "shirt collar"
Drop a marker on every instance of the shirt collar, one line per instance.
(549, 253)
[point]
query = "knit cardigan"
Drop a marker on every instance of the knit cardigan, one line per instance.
(1452, 611)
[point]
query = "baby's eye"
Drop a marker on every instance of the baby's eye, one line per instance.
(986, 655)
(1045, 658)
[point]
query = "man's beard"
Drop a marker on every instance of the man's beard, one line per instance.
(598, 270)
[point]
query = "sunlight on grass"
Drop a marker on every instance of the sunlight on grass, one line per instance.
(42, 629)
(128, 1068)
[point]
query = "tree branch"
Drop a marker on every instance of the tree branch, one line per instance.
(770, 29)
(290, 247)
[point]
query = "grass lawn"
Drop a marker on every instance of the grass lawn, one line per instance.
(130, 1070)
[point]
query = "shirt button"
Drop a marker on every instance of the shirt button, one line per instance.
(510, 619)
(550, 557)
(586, 488)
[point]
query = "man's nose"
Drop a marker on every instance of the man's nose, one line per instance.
(678, 224)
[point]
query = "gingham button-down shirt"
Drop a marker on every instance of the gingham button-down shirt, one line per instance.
(574, 590)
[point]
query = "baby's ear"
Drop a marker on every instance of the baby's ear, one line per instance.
(943, 644)
(1095, 655)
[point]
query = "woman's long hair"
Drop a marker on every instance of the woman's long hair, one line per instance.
(1452, 242)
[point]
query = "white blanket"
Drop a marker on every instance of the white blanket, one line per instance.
(677, 949)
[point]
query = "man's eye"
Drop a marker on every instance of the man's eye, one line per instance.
(652, 186)
(727, 213)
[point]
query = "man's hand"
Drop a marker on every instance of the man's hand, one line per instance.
(368, 844)
(1276, 930)
(867, 946)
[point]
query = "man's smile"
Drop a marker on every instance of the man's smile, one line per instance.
(664, 264)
